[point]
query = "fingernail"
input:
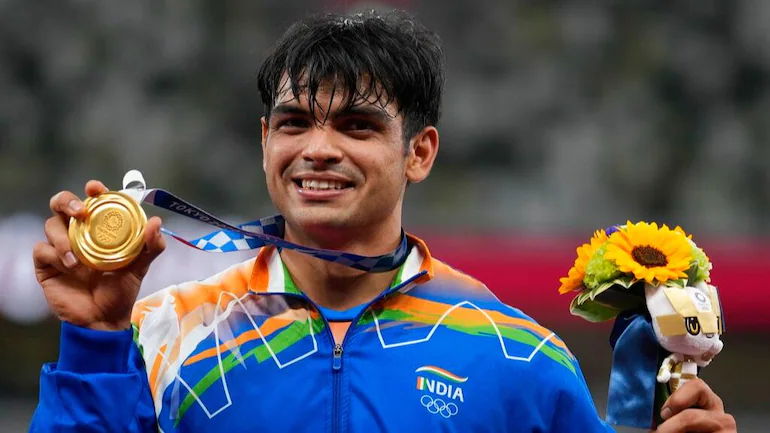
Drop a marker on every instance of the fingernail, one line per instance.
(665, 413)
(70, 260)
(75, 206)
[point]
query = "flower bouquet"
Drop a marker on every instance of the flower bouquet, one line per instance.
(654, 282)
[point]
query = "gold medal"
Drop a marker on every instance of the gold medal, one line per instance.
(111, 235)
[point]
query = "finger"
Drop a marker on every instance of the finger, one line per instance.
(154, 245)
(44, 256)
(154, 240)
(94, 188)
(66, 204)
(56, 233)
(698, 420)
(694, 393)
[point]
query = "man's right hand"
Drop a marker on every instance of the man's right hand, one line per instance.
(81, 295)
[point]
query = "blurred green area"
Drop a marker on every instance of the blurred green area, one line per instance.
(558, 116)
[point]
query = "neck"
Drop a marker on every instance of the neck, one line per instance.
(338, 286)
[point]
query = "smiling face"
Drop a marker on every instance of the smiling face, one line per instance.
(343, 172)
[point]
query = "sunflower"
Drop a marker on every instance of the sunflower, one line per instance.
(574, 278)
(652, 254)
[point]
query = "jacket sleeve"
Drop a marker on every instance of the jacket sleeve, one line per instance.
(574, 408)
(99, 384)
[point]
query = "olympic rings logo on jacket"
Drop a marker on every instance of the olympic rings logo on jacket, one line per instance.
(439, 406)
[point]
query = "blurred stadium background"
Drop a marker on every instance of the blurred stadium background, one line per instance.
(559, 117)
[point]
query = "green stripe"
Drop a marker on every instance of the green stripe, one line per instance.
(135, 330)
(289, 286)
(280, 342)
(515, 334)
(398, 277)
(288, 282)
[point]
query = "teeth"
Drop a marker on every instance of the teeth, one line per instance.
(321, 184)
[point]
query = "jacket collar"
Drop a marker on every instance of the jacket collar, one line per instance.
(269, 275)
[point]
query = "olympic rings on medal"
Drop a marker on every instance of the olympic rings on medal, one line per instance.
(439, 406)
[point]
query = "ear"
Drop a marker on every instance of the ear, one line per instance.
(423, 148)
(265, 129)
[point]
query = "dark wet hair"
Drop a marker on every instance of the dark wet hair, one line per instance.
(388, 58)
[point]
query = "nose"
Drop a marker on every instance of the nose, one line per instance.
(321, 148)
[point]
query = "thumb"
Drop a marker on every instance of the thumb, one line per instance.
(154, 244)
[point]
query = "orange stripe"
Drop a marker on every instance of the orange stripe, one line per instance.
(268, 327)
(448, 373)
(426, 311)
(260, 278)
(438, 268)
(153, 379)
(192, 295)
(445, 271)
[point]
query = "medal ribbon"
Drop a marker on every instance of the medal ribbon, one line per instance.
(254, 234)
(636, 355)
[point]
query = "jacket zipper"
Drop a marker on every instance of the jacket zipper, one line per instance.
(337, 378)
(338, 347)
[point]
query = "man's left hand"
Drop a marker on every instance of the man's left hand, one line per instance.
(695, 408)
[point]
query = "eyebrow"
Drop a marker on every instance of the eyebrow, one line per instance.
(356, 111)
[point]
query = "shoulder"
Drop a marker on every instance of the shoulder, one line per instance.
(180, 300)
(170, 323)
(465, 304)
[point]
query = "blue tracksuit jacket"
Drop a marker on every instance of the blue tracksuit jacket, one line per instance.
(246, 351)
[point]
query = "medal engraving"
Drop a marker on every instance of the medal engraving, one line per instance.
(109, 229)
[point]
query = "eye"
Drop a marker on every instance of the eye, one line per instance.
(360, 125)
(692, 325)
(291, 124)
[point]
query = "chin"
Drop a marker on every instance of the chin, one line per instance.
(310, 220)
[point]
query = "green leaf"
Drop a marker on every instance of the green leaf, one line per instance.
(624, 281)
(592, 311)
(621, 298)
(599, 289)
(582, 297)
(607, 300)
(680, 283)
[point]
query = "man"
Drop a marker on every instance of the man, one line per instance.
(287, 342)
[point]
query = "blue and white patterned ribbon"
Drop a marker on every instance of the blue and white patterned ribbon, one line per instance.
(254, 234)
